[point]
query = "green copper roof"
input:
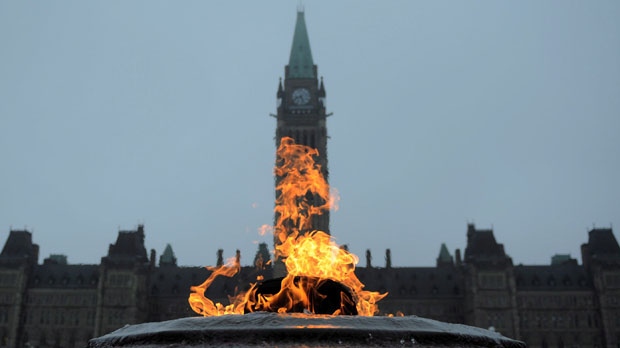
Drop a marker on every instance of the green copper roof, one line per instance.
(167, 258)
(444, 254)
(300, 63)
(559, 259)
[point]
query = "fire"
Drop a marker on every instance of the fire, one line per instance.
(316, 266)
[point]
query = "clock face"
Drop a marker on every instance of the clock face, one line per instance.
(301, 96)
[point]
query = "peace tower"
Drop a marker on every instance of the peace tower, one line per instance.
(301, 108)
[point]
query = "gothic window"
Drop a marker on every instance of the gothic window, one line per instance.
(560, 320)
(120, 280)
(524, 321)
(72, 339)
(25, 338)
(612, 280)
(492, 280)
(42, 339)
(566, 281)
(576, 320)
(8, 279)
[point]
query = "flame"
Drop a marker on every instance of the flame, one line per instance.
(201, 304)
(313, 260)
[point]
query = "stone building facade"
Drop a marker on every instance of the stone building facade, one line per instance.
(563, 304)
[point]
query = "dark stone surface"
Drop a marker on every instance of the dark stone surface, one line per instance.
(289, 330)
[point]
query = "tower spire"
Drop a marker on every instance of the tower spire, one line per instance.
(300, 64)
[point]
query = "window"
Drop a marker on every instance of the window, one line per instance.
(120, 280)
(612, 280)
(492, 280)
(576, 320)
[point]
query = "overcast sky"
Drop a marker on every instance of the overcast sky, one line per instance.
(116, 113)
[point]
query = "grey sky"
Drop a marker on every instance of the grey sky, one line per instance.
(506, 114)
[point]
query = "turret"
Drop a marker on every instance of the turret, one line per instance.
(128, 250)
(19, 249)
(483, 248)
(444, 258)
(167, 258)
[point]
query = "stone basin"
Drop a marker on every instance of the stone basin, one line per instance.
(263, 329)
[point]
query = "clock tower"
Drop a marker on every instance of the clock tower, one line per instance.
(301, 107)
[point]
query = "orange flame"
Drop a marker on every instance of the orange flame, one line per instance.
(201, 304)
(311, 257)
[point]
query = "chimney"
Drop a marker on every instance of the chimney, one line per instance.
(368, 259)
(388, 258)
(220, 257)
(152, 260)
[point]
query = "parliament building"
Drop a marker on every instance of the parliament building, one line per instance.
(562, 304)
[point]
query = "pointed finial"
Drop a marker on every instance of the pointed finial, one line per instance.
(300, 6)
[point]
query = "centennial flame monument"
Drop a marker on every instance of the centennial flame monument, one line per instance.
(315, 282)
